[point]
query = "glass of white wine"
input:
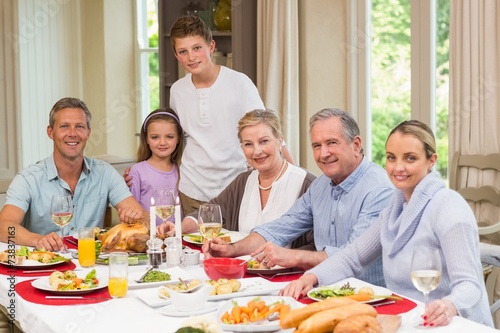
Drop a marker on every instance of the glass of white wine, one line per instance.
(209, 221)
(61, 212)
(425, 273)
(164, 203)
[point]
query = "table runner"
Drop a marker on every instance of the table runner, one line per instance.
(33, 295)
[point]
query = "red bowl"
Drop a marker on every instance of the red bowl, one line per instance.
(228, 268)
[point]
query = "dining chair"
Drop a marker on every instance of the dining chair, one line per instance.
(488, 230)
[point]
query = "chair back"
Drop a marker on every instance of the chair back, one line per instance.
(474, 195)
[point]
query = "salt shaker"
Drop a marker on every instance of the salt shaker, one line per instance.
(174, 252)
(154, 252)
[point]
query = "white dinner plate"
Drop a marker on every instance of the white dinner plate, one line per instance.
(235, 236)
(172, 311)
(33, 264)
(267, 271)
(269, 326)
(43, 284)
(357, 284)
(175, 274)
(249, 287)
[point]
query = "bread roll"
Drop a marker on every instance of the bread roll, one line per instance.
(296, 316)
(325, 321)
(358, 324)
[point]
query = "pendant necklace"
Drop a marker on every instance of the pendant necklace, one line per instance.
(279, 175)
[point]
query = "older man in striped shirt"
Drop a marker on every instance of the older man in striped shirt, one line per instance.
(339, 205)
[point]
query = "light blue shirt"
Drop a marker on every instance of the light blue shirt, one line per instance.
(337, 213)
(32, 190)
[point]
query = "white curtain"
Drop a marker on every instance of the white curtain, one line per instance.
(278, 64)
(474, 120)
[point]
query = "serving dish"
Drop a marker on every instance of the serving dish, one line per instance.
(175, 274)
(266, 326)
(249, 287)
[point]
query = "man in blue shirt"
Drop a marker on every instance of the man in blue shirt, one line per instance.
(339, 205)
(25, 218)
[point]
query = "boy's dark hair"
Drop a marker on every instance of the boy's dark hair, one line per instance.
(187, 26)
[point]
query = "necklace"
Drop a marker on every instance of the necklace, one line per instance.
(279, 175)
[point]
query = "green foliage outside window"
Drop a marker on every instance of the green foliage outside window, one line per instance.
(391, 74)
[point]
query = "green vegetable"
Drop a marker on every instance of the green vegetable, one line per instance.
(189, 329)
(156, 276)
(97, 248)
(23, 251)
(326, 292)
(90, 279)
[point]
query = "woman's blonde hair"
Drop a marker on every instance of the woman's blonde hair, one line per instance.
(255, 117)
(420, 131)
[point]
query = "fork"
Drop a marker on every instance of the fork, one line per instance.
(270, 277)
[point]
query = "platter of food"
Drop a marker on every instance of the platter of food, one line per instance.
(229, 236)
(24, 258)
(156, 277)
(69, 283)
(261, 306)
(361, 291)
(223, 290)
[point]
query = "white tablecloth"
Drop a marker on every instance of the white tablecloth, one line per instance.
(130, 314)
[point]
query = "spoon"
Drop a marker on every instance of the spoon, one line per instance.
(188, 288)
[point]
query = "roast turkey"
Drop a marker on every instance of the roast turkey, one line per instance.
(125, 237)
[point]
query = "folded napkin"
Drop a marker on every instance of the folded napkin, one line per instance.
(33, 295)
(19, 271)
(399, 307)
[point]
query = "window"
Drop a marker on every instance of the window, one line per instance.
(148, 65)
(393, 90)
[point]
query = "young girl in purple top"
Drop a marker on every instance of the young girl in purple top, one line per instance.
(158, 156)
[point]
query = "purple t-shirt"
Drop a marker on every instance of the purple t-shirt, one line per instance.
(146, 179)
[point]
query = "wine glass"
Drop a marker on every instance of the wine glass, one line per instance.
(164, 203)
(61, 212)
(209, 221)
(426, 272)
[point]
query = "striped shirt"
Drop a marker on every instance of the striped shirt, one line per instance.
(338, 214)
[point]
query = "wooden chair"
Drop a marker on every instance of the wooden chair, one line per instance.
(490, 253)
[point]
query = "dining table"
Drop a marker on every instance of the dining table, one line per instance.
(101, 313)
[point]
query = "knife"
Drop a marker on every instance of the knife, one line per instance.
(77, 297)
(383, 303)
(46, 271)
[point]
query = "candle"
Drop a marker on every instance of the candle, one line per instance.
(178, 221)
(152, 219)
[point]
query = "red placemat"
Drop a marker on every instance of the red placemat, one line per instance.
(19, 271)
(33, 295)
(399, 307)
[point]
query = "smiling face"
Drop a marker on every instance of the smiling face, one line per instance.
(69, 133)
(336, 157)
(162, 138)
(193, 53)
(261, 148)
(406, 162)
